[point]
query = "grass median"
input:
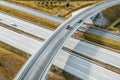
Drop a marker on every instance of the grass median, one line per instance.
(14, 50)
(34, 19)
(102, 40)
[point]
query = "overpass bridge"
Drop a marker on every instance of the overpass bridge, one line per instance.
(42, 61)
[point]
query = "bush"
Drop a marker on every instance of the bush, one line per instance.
(67, 4)
(0, 64)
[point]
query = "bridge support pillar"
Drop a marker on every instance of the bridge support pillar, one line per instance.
(99, 20)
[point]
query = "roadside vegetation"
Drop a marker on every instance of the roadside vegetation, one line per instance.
(34, 19)
(10, 64)
(102, 40)
(3, 74)
(11, 61)
(63, 8)
(14, 50)
(113, 15)
(115, 26)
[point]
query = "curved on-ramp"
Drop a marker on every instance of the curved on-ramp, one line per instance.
(38, 65)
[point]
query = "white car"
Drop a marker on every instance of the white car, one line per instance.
(13, 24)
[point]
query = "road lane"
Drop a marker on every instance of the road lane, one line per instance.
(25, 26)
(19, 41)
(82, 68)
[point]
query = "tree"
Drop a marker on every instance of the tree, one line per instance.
(51, 2)
(67, 3)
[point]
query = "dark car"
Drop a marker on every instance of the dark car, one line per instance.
(79, 21)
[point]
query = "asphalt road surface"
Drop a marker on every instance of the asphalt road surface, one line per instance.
(42, 61)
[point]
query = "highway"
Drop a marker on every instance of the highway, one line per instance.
(19, 41)
(32, 11)
(42, 61)
(94, 52)
(82, 68)
(39, 31)
(25, 26)
(65, 60)
(72, 43)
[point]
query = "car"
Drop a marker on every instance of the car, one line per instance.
(79, 21)
(67, 26)
(13, 24)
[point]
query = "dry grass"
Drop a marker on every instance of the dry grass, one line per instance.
(112, 14)
(40, 21)
(56, 6)
(102, 40)
(63, 74)
(4, 75)
(53, 76)
(13, 50)
(10, 62)
(112, 27)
